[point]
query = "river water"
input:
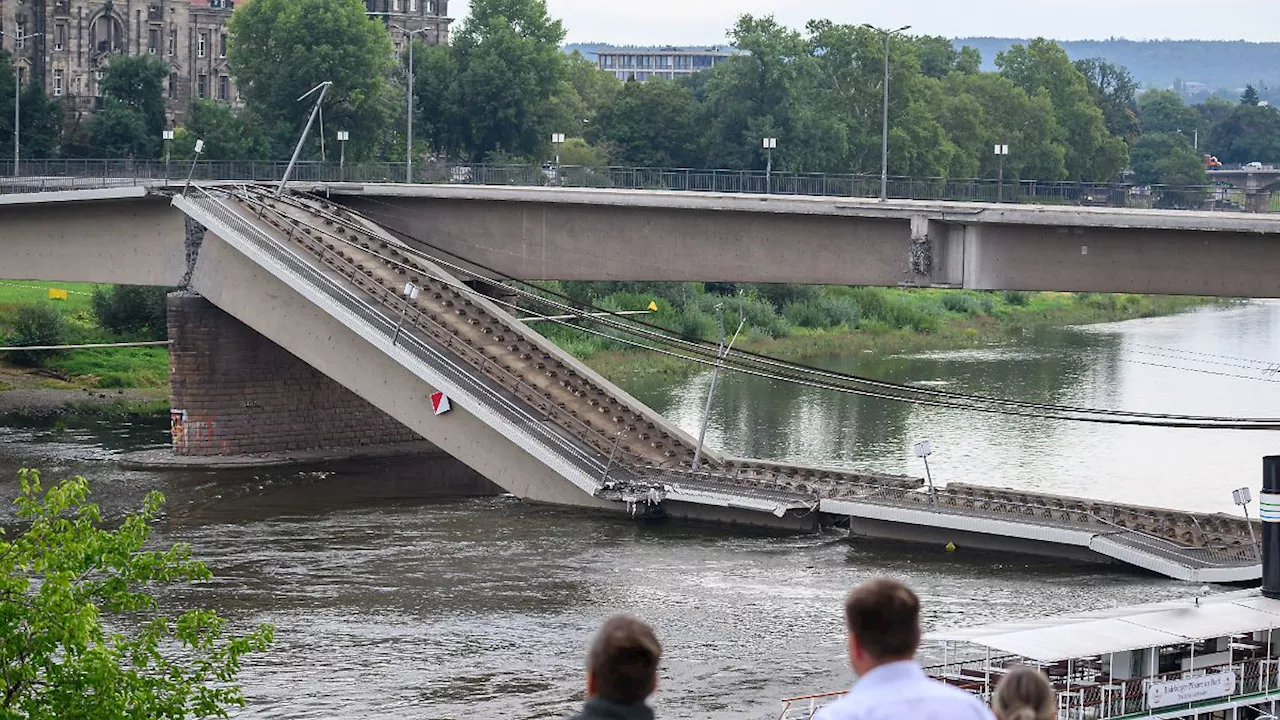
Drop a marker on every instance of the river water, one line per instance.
(469, 608)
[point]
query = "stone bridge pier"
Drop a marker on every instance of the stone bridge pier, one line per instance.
(234, 393)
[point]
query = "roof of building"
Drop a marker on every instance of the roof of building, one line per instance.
(718, 51)
(1100, 632)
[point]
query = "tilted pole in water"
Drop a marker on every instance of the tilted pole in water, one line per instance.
(721, 353)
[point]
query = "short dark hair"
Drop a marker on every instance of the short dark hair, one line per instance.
(623, 660)
(884, 616)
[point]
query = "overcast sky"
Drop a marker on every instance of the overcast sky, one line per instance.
(687, 22)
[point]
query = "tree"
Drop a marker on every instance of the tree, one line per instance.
(121, 132)
(228, 133)
(1250, 96)
(81, 635)
(132, 310)
(939, 57)
(652, 124)
(1167, 159)
(1114, 91)
(280, 49)
(437, 120)
(36, 324)
(584, 93)
(1249, 133)
(509, 66)
(756, 95)
(984, 110)
(1162, 111)
(41, 119)
(136, 82)
(1042, 65)
(578, 152)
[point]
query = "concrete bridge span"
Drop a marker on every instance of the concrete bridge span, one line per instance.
(585, 234)
(130, 234)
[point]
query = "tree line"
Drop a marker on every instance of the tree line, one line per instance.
(499, 90)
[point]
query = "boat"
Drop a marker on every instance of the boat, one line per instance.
(1206, 656)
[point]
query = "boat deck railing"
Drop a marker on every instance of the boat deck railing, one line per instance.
(1084, 690)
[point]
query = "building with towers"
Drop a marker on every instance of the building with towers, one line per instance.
(66, 44)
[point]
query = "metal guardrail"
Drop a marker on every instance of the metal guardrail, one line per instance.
(38, 175)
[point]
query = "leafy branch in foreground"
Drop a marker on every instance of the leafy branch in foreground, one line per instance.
(81, 633)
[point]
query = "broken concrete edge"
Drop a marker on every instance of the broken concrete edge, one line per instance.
(166, 459)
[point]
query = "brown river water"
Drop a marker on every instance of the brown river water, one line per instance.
(465, 608)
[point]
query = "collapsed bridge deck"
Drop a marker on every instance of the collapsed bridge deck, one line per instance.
(618, 452)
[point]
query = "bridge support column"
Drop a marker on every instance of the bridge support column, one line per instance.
(234, 392)
(1258, 201)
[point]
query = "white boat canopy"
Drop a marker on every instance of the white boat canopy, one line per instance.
(1102, 632)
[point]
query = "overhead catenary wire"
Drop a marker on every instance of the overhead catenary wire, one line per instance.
(696, 351)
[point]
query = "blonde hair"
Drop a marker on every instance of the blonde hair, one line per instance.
(1025, 694)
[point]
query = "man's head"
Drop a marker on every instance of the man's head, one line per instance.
(884, 624)
(622, 664)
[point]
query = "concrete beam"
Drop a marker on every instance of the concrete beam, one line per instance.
(104, 236)
(561, 234)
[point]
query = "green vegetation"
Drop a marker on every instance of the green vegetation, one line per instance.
(343, 45)
(89, 315)
(801, 321)
(81, 633)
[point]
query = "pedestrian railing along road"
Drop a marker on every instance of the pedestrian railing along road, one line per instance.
(44, 175)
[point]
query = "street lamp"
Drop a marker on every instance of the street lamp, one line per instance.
(770, 144)
(168, 138)
(408, 152)
(884, 135)
(1243, 497)
(557, 139)
(192, 171)
(923, 451)
(1002, 151)
(343, 137)
(17, 98)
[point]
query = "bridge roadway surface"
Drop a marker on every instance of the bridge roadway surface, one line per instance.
(130, 234)
(546, 428)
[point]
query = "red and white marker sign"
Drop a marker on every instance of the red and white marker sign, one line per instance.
(440, 403)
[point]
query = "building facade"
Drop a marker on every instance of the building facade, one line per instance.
(66, 44)
(669, 63)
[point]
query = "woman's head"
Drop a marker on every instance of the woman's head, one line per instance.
(1024, 694)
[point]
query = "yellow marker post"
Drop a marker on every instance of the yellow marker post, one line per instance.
(653, 306)
(56, 294)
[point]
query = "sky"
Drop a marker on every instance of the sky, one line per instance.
(691, 22)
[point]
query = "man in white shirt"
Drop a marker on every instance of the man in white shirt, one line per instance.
(883, 617)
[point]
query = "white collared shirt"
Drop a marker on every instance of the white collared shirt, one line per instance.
(901, 690)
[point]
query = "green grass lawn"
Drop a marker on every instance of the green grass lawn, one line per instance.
(15, 292)
(137, 367)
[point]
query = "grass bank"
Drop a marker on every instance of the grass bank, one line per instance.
(70, 318)
(881, 320)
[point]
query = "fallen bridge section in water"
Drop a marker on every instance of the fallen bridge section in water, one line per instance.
(328, 286)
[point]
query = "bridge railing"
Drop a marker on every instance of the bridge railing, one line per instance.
(71, 173)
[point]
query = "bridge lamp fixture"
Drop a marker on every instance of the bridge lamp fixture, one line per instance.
(1242, 497)
(192, 171)
(884, 133)
(1002, 151)
(769, 144)
(168, 138)
(923, 451)
(343, 137)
